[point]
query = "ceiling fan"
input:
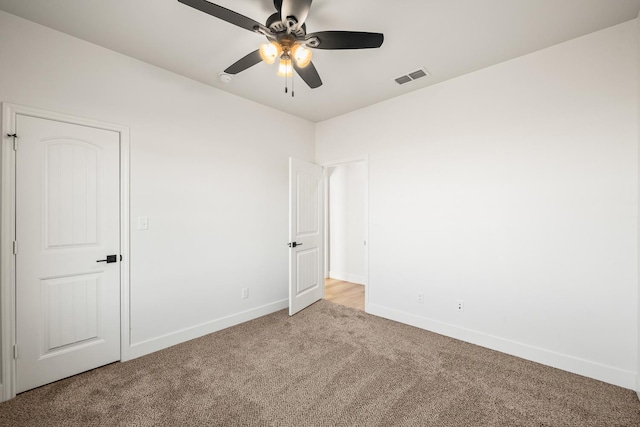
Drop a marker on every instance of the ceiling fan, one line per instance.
(288, 39)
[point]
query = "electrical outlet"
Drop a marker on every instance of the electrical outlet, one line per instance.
(420, 298)
(245, 293)
(460, 305)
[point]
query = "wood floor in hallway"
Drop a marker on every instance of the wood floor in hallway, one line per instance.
(344, 293)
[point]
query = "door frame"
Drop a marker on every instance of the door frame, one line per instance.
(8, 232)
(326, 166)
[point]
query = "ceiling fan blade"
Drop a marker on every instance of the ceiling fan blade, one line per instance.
(309, 74)
(248, 61)
(299, 9)
(222, 13)
(347, 39)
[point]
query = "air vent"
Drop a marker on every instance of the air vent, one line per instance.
(418, 74)
(402, 80)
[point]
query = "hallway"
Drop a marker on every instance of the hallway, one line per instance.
(344, 293)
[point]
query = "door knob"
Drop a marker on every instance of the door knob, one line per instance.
(109, 260)
(294, 244)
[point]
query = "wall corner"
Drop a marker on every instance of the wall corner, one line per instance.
(638, 243)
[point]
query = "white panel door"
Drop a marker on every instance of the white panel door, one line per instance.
(306, 278)
(67, 219)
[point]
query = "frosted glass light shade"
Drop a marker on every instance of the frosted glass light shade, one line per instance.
(302, 55)
(285, 69)
(269, 52)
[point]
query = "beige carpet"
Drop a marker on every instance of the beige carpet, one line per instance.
(329, 365)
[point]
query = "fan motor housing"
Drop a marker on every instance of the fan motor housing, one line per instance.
(275, 24)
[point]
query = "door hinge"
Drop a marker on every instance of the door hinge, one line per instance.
(15, 351)
(15, 247)
(15, 141)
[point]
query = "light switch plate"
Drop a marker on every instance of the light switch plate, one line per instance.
(143, 223)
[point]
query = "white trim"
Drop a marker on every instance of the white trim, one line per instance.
(125, 243)
(334, 163)
(155, 344)
(352, 278)
(564, 362)
(7, 265)
(7, 233)
(638, 241)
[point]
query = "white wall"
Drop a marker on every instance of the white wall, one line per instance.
(515, 189)
(212, 181)
(346, 222)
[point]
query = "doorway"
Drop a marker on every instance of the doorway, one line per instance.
(344, 293)
(346, 233)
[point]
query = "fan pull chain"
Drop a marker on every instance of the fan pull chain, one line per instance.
(289, 66)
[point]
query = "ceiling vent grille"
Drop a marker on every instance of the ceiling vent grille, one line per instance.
(418, 74)
(402, 80)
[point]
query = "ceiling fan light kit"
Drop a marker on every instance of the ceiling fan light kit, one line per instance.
(269, 52)
(301, 55)
(285, 69)
(287, 39)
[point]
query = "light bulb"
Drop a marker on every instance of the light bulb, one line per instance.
(285, 69)
(302, 55)
(270, 51)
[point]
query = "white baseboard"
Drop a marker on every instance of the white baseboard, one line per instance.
(608, 374)
(347, 277)
(155, 344)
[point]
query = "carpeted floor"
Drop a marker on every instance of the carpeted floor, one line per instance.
(328, 365)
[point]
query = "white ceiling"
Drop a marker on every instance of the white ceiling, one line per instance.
(448, 37)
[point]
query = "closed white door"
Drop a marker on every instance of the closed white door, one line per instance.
(67, 219)
(306, 278)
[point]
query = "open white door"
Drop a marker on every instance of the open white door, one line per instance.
(306, 278)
